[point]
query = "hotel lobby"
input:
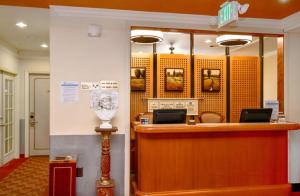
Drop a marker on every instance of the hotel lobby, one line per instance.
(179, 98)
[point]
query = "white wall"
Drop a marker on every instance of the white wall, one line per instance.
(8, 57)
(77, 57)
(292, 101)
(270, 77)
(31, 62)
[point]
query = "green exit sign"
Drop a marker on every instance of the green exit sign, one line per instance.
(228, 13)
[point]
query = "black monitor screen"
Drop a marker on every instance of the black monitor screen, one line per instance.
(256, 115)
(169, 116)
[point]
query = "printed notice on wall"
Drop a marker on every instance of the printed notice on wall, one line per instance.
(69, 92)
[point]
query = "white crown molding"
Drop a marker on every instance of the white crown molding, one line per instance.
(34, 55)
(200, 21)
(291, 22)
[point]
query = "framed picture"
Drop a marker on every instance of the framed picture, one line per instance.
(138, 79)
(174, 79)
(211, 80)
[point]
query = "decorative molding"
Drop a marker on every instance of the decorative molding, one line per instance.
(200, 21)
(291, 22)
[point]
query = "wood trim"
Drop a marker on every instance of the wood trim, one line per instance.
(276, 190)
(280, 73)
(215, 127)
(261, 56)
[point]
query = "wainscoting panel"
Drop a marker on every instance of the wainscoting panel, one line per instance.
(245, 84)
(212, 101)
(138, 103)
(165, 61)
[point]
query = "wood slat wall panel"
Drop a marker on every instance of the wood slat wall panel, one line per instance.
(138, 104)
(173, 61)
(245, 84)
(213, 101)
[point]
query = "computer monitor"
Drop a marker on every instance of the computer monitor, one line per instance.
(169, 116)
(256, 115)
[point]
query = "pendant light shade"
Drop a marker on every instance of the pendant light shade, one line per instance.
(146, 36)
(233, 40)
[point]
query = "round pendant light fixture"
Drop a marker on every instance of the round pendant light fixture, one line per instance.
(233, 40)
(146, 36)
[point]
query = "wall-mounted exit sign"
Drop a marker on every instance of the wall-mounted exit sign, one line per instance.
(228, 13)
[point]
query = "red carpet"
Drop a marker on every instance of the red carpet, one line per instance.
(29, 178)
(9, 167)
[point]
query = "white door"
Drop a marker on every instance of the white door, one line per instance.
(39, 91)
(7, 120)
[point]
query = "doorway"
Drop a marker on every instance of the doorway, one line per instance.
(39, 130)
(7, 117)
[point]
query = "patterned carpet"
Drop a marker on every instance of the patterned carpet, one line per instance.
(30, 178)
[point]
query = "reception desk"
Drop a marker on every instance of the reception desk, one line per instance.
(227, 159)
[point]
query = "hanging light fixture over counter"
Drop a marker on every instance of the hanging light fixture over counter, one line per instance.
(146, 36)
(233, 40)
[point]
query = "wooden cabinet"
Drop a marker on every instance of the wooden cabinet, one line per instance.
(62, 178)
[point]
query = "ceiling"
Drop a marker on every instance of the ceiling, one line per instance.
(272, 9)
(29, 38)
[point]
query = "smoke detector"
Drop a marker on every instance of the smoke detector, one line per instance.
(233, 40)
(146, 36)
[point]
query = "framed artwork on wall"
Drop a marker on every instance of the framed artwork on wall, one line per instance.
(211, 80)
(138, 79)
(174, 79)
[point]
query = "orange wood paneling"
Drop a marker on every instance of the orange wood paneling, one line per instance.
(269, 190)
(165, 61)
(280, 73)
(245, 84)
(138, 102)
(258, 9)
(214, 127)
(213, 101)
(209, 160)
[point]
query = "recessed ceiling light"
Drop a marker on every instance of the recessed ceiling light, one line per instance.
(208, 41)
(21, 25)
(44, 45)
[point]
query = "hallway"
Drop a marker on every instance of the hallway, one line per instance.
(29, 178)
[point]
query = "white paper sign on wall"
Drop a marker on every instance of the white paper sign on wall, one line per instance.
(69, 92)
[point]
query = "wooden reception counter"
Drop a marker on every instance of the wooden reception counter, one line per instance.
(228, 159)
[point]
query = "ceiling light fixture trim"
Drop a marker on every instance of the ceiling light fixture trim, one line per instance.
(233, 40)
(146, 36)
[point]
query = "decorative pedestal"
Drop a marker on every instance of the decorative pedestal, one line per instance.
(105, 185)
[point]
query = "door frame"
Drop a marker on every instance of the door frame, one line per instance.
(26, 109)
(16, 144)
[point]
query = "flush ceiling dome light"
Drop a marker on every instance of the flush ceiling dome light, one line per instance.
(146, 36)
(233, 40)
